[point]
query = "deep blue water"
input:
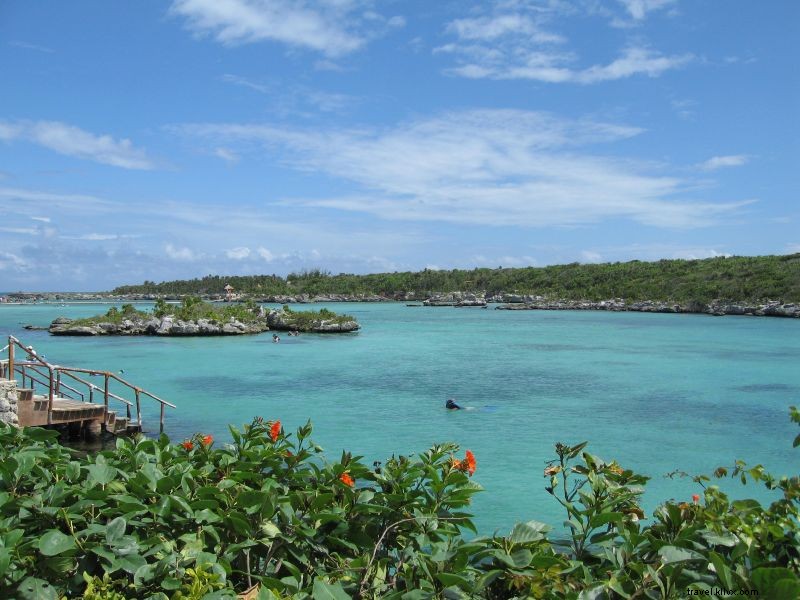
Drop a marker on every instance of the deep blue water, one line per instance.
(655, 392)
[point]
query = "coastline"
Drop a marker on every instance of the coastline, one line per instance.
(501, 301)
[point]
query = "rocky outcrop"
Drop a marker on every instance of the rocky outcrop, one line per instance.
(164, 326)
(282, 320)
(716, 308)
(8, 402)
(308, 299)
(457, 299)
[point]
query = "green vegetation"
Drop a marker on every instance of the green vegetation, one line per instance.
(191, 308)
(151, 519)
(737, 278)
(307, 320)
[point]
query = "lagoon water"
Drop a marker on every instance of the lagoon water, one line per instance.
(657, 392)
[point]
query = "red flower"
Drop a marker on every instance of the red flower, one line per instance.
(471, 465)
(347, 480)
(207, 440)
(188, 445)
(275, 431)
(467, 465)
(695, 498)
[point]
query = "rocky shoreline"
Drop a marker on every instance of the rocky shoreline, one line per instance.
(717, 309)
(164, 326)
(506, 301)
(527, 302)
(277, 320)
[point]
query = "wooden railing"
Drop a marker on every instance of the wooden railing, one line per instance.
(50, 377)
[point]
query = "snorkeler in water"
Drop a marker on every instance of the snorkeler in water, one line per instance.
(451, 405)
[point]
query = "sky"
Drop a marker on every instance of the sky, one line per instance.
(164, 140)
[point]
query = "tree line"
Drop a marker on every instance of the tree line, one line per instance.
(737, 278)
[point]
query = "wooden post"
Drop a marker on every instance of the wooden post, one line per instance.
(11, 359)
(50, 398)
(162, 418)
(23, 377)
(105, 401)
(58, 383)
(91, 394)
(138, 408)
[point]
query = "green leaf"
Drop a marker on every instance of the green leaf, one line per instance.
(532, 531)
(605, 519)
(773, 581)
(101, 474)
(672, 554)
(450, 579)
(328, 591)
(723, 572)
(32, 588)
(37, 434)
(115, 530)
(5, 560)
(60, 565)
(54, 542)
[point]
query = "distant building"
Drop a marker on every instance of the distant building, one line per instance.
(229, 295)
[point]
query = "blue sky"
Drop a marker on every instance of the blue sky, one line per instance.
(161, 140)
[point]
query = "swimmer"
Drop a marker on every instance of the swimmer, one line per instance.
(275, 338)
(451, 405)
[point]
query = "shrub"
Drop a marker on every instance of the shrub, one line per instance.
(154, 519)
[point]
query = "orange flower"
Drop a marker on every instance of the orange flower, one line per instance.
(275, 431)
(471, 465)
(455, 463)
(347, 480)
(188, 445)
(207, 440)
(695, 498)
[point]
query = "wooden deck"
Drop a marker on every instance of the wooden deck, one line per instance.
(32, 412)
(64, 404)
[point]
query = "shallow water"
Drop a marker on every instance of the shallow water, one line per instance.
(656, 392)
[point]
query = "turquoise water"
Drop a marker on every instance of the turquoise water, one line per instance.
(656, 392)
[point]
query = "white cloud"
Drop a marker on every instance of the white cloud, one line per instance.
(226, 155)
(515, 41)
(20, 230)
(97, 237)
(41, 219)
(244, 82)
(489, 167)
(638, 9)
(493, 27)
(718, 162)
(589, 256)
(72, 141)
(29, 46)
(331, 28)
(9, 261)
(265, 254)
(239, 253)
(179, 253)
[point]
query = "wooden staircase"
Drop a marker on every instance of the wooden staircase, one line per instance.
(63, 404)
(121, 425)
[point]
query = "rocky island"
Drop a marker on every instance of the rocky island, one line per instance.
(193, 317)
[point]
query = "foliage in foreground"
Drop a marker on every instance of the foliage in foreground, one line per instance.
(735, 278)
(161, 520)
